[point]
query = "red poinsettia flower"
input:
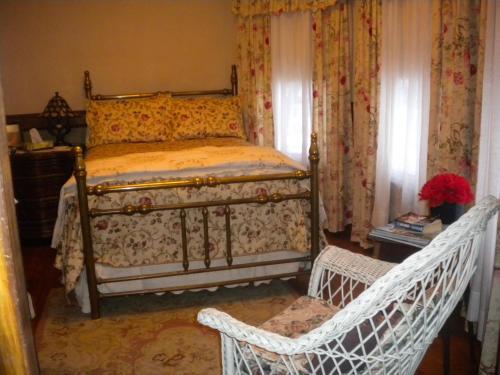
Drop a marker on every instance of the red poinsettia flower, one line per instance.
(446, 188)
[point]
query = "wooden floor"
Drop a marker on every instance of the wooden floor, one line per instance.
(40, 273)
(41, 276)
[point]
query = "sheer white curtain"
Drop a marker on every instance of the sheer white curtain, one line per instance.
(292, 65)
(404, 107)
(488, 181)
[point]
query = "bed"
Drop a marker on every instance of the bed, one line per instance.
(150, 213)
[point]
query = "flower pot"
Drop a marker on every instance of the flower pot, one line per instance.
(448, 212)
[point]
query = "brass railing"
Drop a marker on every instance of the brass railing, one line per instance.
(87, 85)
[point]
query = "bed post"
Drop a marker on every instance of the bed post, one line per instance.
(234, 80)
(81, 185)
(314, 161)
(87, 84)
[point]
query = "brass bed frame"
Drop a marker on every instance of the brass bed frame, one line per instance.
(87, 213)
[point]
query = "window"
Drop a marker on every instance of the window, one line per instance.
(292, 66)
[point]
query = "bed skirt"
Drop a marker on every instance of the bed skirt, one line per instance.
(102, 271)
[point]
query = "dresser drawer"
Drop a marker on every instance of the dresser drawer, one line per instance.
(37, 210)
(39, 187)
(38, 178)
(35, 167)
(34, 230)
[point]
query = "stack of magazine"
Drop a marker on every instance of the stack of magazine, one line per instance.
(410, 229)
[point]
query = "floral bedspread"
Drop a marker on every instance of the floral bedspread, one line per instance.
(155, 238)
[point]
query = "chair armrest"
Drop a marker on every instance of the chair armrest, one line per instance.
(236, 329)
(352, 268)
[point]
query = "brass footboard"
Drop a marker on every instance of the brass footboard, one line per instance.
(87, 213)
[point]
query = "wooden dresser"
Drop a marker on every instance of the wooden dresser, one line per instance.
(38, 177)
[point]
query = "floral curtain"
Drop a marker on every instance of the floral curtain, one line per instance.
(346, 73)
(366, 87)
(346, 83)
(254, 52)
(456, 86)
(332, 116)
(260, 7)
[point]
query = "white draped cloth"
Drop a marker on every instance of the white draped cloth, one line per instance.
(488, 173)
(292, 67)
(404, 108)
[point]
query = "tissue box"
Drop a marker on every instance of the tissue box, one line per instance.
(39, 145)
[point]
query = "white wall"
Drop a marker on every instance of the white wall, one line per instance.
(128, 46)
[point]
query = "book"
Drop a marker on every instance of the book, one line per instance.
(400, 235)
(419, 223)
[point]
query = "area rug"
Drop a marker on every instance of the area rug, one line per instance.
(148, 334)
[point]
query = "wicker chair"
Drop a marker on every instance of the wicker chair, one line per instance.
(361, 315)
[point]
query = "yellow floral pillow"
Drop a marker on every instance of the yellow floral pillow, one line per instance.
(127, 120)
(206, 117)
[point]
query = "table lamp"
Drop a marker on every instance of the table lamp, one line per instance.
(58, 114)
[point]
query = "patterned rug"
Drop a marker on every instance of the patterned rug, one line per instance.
(148, 334)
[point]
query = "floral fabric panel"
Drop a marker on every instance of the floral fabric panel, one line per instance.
(122, 241)
(332, 97)
(260, 7)
(254, 55)
(155, 238)
(206, 117)
(366, 88)
(127, 120)
(346, 83)
(456, 87)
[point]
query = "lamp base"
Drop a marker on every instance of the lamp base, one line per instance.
(59, 131)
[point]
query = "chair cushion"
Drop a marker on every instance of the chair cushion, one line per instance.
(302, 316)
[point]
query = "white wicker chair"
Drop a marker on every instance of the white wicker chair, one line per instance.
(361, 315)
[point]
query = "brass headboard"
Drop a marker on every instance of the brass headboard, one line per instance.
(87, 84)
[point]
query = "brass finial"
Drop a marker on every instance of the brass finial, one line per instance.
(314, 150)
(79, 163)
(128, 210)
(234, 80)
(212, 181)
(198, 181)
(87, 85)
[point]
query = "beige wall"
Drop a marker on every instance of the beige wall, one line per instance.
(128, 46)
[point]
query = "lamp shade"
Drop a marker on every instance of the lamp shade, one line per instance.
(57, 107)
